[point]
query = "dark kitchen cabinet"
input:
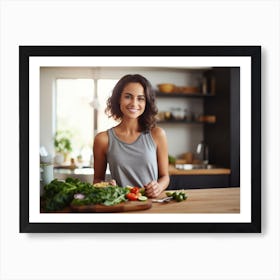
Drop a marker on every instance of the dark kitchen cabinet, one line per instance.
(223, 138)
(198, 181)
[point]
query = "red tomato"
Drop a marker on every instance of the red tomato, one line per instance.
(132, 196)
(135, 190)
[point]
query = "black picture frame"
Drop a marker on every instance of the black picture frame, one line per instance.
(252, 52)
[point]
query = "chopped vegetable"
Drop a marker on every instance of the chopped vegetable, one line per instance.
(136, 193)
(79, 196)
(135, 190)
(142, 191)
(177, 195)
(142, 198)
(132, 196)
(101, 184)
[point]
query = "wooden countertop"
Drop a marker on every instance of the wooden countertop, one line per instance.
(212, 171)
(216, 200)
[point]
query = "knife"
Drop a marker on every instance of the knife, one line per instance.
(166, 199)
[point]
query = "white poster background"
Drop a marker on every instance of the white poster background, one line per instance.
(139, 256)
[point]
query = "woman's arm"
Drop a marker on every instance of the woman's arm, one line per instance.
(154, 188)
(100, 148)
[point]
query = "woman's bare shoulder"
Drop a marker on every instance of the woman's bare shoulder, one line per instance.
(101, 138)
(158, 134)
(102, 134)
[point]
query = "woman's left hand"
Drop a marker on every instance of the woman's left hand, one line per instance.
(153, 189)
(113, 182)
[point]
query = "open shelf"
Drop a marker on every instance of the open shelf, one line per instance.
(183, 95)
(184, 122)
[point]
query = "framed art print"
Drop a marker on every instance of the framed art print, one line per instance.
(209, 105)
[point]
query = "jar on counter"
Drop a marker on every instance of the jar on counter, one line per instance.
(189, 115)
(177, 113)
(46, 175)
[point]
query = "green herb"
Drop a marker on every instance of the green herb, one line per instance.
(60, 194)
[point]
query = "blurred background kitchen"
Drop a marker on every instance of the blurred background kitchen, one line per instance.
(198, 108)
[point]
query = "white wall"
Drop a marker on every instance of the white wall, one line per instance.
(181, 138)
(139, 256)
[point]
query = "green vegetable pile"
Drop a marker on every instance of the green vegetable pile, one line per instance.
(60, 194)
(177, 195)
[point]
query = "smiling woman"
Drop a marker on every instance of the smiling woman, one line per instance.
(135, 149)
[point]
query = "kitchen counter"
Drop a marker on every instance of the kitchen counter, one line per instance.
(212, 171)
(216, 200)
(86, 174)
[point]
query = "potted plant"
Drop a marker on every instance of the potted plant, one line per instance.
(62, 145)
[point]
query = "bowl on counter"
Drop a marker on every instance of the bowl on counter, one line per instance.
(166, 88)
(195, 166)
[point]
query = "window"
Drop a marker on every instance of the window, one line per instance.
(80, 110)
(74, 113)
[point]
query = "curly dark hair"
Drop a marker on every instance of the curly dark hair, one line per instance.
(148, 119)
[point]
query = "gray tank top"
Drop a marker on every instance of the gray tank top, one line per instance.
(133, 164)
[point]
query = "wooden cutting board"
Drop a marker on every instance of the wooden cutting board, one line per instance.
(122, 207)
